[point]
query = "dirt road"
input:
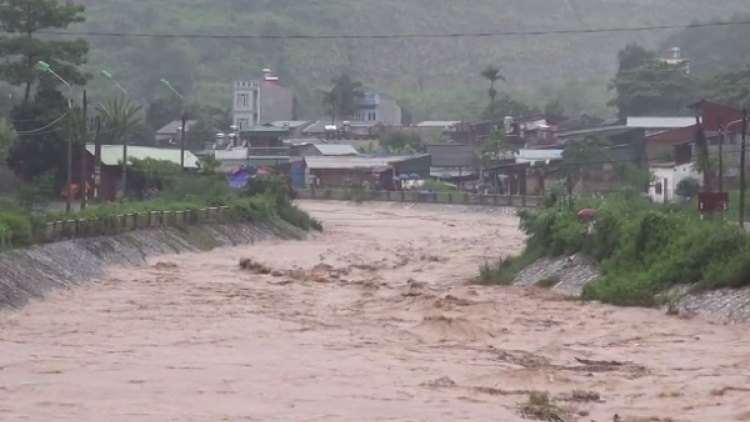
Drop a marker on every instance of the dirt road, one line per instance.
(371, 321)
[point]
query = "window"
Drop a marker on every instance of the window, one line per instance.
(371, 116)
(359, 116)
(243, 124)
(243, 99)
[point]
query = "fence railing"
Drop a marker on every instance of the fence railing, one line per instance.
(460, 198)
(84, 227)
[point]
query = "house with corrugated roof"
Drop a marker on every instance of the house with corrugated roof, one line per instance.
(111, 157)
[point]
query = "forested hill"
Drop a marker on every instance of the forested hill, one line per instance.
(435, 78)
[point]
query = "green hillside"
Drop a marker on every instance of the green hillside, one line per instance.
(433, 78)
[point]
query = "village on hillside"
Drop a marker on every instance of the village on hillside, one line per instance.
(363, 138)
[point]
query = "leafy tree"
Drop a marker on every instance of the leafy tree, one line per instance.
(632, 57)
(23, 19)
(578, 157)
(208, 165)
(162, 111)
(651, 89)
(507, 106)
(492, 74)
(632, 176)
(200, 133)
(42, 144)
(8, 137)
(495, 145)
(730, 88)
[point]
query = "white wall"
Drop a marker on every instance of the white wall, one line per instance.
(669, 177)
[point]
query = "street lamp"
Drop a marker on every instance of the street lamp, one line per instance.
(97, 147)
(184, 122)
(46, 68)
(109, 76)
(171, 88)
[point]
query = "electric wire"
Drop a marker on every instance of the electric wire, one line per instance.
(484, 34)
(42, 128)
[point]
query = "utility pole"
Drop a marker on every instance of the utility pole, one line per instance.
(742, 169)
(69, 177)
(84, 154)
(182, 141)
(722, 139)
(97, 159)
(124, 175)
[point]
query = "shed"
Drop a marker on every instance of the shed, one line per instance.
(452, 155)
(111, 160)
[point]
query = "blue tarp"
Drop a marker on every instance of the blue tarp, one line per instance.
(238, 178)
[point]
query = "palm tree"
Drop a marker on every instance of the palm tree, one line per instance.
(330, 100)
(347, 90)
(492, 74)
(120, 119)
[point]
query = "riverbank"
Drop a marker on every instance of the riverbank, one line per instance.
(633, 253)
(31, 273)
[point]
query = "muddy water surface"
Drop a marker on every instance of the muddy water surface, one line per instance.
(371, 321)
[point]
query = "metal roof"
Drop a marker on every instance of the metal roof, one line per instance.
(452, 155)
(290, 123)
(438, 123)
(112, 155)
(534, 155)
(319, 126)
(350, 162)
(619, 129)
(266, 128)
(650, 122)
(333, 150)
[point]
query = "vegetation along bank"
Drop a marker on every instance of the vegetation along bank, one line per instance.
(644, 253)
(262, 201)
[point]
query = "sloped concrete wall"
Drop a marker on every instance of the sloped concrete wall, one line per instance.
(28, 274)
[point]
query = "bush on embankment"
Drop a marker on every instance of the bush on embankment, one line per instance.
(263, 201)
(642, 249)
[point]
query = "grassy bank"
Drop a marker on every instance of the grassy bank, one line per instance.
(642, 249)
(263, 201)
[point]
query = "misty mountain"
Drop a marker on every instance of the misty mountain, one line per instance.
(433, 77)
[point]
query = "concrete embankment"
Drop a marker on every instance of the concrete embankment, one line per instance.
(28, 274)
(572, 273)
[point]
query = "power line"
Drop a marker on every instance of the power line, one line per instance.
(486, 34)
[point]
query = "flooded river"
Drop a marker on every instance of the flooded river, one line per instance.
(371, 321)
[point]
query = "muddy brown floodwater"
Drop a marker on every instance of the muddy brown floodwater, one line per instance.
(371, 321)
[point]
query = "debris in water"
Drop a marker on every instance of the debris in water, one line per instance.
(256, 267)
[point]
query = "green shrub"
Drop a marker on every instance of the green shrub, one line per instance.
(264, 200)
(643, 249)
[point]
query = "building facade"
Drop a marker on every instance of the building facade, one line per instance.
(374, 107)
(261, 101)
